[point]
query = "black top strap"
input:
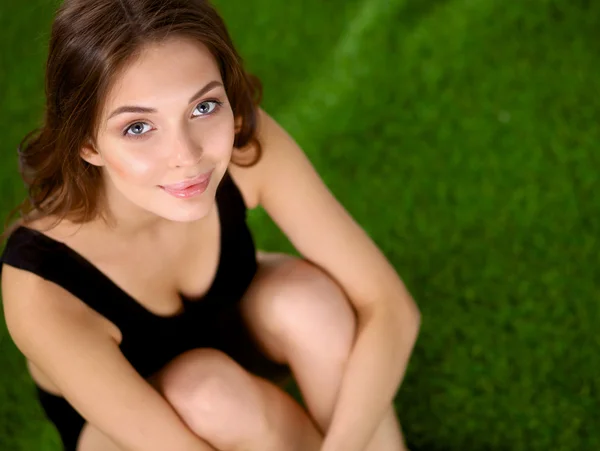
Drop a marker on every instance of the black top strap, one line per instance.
(32, 251)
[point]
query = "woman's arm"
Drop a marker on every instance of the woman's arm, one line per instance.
(374, 372)
(65, 339)
(295, 197)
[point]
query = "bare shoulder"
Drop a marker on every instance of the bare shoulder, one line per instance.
(56, 228)
(26, 296)
(251, 179)
(33, 305)
(38, 312)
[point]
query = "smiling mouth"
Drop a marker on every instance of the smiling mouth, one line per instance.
(188, 188)
(187, 183)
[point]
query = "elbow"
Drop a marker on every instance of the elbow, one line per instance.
(397, 313)
(414, 321)
(408, 319)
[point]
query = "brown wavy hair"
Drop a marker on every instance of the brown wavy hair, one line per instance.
(91, 41)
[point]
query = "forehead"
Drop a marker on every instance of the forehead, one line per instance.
(163, 70)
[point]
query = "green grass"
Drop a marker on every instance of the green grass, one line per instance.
(462, 135)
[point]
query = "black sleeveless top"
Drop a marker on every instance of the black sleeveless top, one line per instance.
(149, 340)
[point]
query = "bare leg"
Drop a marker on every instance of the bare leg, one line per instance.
(301, 317)
(227, 407)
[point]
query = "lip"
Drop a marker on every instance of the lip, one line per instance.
(189, 182)
(188, 188)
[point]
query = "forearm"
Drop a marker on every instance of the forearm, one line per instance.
(374, 371)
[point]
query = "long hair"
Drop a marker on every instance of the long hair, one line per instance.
(91, 41)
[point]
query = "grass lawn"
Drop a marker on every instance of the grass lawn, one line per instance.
(462, 135)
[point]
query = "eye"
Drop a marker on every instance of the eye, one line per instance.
(137, 129)
(206, 107)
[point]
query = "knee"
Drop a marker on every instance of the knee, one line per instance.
(307, 304)
(216, 398)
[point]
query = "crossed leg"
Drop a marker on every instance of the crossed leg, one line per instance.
(301, 317)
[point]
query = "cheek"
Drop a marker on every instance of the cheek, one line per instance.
(219, 142)
(132, 167)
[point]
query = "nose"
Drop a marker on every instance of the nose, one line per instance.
(185, 151)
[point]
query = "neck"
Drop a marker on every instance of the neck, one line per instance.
(127, 220)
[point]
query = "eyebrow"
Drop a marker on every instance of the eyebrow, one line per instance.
(145, 110)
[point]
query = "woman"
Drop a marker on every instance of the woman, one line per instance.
(131, 283)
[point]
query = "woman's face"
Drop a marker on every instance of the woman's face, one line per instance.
(166, 133)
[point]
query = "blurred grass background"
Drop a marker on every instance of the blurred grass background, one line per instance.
(462, 135)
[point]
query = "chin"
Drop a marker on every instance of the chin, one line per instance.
(186, 213)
